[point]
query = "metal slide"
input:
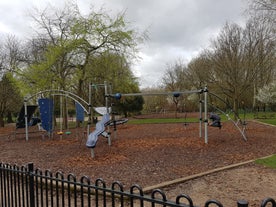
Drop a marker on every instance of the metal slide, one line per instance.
(100, 128)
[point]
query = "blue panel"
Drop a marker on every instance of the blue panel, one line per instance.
(46, 113)
(79, 112)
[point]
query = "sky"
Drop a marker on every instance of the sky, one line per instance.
(177, 29)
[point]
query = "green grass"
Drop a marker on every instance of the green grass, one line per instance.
(268, 121)
(265, 117)
(269, 162)
(164, 120)
(248, 116)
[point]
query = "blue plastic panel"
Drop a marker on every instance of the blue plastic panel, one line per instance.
(46, 113)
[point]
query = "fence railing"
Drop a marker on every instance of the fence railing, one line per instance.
(28, 187)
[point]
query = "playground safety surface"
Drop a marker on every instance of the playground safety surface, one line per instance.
(150, 154)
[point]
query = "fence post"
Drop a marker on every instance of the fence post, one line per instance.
(31, 184)
(242, 203)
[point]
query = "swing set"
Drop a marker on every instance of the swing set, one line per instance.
(203, 103)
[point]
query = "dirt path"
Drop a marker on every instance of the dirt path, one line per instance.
(250, 182)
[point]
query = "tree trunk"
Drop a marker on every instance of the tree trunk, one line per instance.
(65, 114)
(2, 123)
(236, 109)
(9, 117)
(175, 100)
(175, 113)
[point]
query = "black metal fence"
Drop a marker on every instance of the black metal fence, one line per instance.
(28, 187)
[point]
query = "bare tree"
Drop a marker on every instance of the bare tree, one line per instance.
(262, 5)
(174, 80)
(242, 58)
(199, 71)
(156, 104)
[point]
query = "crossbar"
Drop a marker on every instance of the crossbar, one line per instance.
(158, 93)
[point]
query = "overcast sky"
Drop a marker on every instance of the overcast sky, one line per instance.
(178, 29)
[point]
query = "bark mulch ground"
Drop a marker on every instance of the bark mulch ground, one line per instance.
(145, 154)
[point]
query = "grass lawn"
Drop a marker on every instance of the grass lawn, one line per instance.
(249, 116)
(268, 121)
(162, 120)
(269, 162)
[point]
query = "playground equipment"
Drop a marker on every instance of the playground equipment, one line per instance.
(239, 124)
(105, 122)
(82, 107)
(100, 128)
(204, 101)
(46, 108)
(20, 123)
(176, 94)
(31, 120)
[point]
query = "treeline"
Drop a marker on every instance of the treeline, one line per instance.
(69, 51)
(239, 66)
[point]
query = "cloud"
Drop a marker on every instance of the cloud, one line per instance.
(177, 28)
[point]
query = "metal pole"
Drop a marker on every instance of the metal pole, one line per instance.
(89, 116)
(89, 110)
(205, 114)
(26, 119)
(242, 203)
(200, 115)
(158, 93)
(113, 115)
(92, 153)
(106, 96)
(31, 184)
(60, 117)
(107, 110)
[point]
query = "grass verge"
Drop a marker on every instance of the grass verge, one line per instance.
(268, 121)
(269, 161)
(164, 120)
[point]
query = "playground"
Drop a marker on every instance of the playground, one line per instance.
(152, 154)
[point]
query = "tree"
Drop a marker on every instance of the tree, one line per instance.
(240, 60)
(156, 104)
(267, 94)
(229, 70)
(10, 99)
(11, 56)
(175, 79)
(11, 62)
(265, 8)
(55, 45)
(199, 71)
(2, 61)
(14, 56)
(75, 39)
(129, 105)
(239, 57)
(262, 17)
(115, 70)
(260, 52)
(73, 47)
(105, 36)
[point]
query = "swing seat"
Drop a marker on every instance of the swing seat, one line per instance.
(68, 132)
(60, 133)
(216, 124)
